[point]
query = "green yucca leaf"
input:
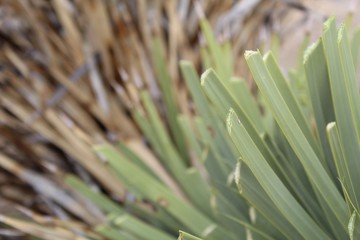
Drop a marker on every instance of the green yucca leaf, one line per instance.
(346, 101)
(166, 85)
(275, 45)
(301, 145)
(317, 76)
(290, 100)
(243, 97)
(192, 183)
(97, 198)
(124, 221)
(206, 61)
(355, 46)
(253, 231)
(149, 132)
(341, 163)
(296, 112)
(272, 185)
(351, 80)
(221, 98)
(319, 88)
(295, 178)
(223, 164)
(129, 154)
(206, 111)
(158, 193)
(139, 229)
(216, 53)
(189, 134)
(216, 152)
(193, 83)
(227, 57)
(251, 189)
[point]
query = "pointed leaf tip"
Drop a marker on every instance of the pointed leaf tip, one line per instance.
(204, 76)
(330, 126)
(185, 62)
(308, 51)
(249, 53)
(328, 23)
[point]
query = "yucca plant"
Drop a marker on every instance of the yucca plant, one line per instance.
(282, 175)
(299, 178)
(280, 165)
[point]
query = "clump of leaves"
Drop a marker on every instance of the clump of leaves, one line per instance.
(278, 176)
(231, 171)
(301, 180)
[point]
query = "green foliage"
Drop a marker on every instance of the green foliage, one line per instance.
(242, 172)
